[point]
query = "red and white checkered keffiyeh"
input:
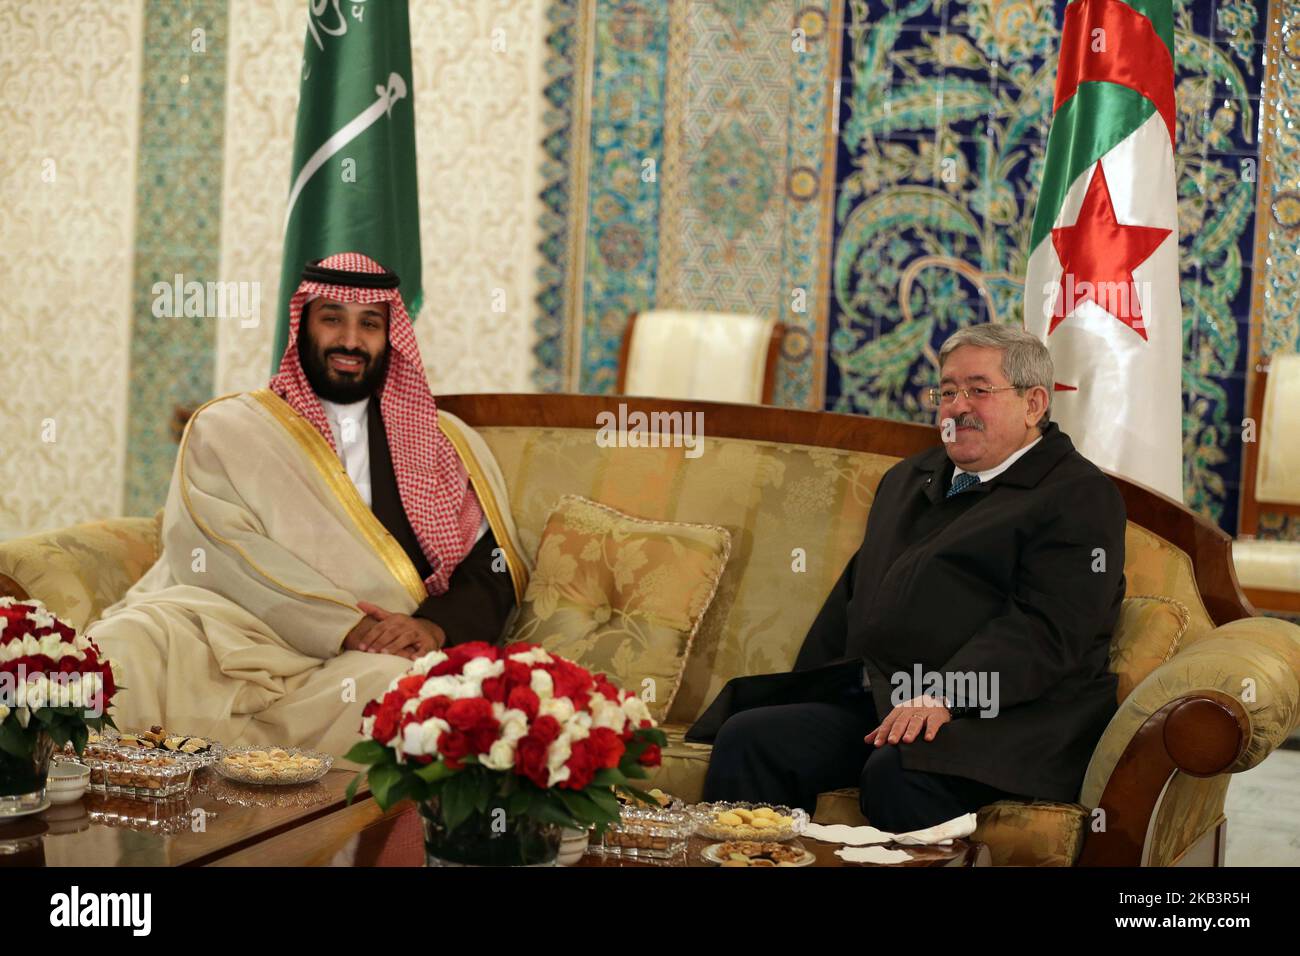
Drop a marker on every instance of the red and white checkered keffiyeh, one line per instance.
(432, 481)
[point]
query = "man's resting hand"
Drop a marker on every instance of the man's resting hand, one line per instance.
(387, 632)
(908, 719)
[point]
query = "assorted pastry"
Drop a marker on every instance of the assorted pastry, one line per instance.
(154, 775)
(743, 822)
(155, 738)
(753, 853)
(273, 765)
(661, 798)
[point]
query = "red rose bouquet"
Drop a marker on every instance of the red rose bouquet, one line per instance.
(513, 731)
(54, 688)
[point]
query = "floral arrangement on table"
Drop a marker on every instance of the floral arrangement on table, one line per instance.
(508, 741)
(55, 687)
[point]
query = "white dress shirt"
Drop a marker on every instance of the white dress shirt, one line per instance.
(348, 423)
(991, 473)
(351, 438)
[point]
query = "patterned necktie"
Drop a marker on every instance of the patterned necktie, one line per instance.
(963, 482)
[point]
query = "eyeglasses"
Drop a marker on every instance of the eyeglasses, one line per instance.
(976, 393)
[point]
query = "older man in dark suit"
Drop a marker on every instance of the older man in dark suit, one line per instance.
(961, 658)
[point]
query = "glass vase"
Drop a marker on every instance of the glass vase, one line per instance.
(487, 839)
(22, 779)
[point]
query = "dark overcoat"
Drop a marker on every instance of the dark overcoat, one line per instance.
(1016, 583)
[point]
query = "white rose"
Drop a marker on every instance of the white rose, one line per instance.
(38, 692)
(368, 726)
(561, 708)
(4, 712)
(558, 752)
(557, 776)
(422, 665)
(24, 717)
(606, 713)
(40, 617)
(578, 727)
(542, 685)
(480, 668)
(535, 656)
(514, 725)
(636, 709)
(500, 756)
(468, 688)
(411, 705)
(444, 686)
(422, 738)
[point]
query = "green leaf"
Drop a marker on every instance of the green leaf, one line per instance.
(60, 733)
(458, 797)
(368, 752)
(484, 788)
(382, 777)
(608, 778)
(434, 772)
(14, 740)
(351, 792)
(551, 809)
(605, 800)
(520, 803)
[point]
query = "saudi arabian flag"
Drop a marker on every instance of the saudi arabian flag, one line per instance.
(1101, 288)
(353, 187)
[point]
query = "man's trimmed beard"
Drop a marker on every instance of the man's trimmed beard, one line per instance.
(315, 367)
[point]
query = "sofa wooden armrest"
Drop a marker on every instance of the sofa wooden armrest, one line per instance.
(1218, 706)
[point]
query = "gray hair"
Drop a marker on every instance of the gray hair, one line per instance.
(1025, 360)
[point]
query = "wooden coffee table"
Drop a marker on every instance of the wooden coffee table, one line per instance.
(959, 853)
(298, 826)
(102, 830)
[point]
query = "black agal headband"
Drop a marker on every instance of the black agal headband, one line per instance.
(315, 272)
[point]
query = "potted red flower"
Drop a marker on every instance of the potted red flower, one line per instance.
(502, 748)
(54, 688)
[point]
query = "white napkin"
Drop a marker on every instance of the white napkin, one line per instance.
(941, 834)
(872, 854)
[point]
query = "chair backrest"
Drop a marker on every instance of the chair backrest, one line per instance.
(1271, 472)
(705, 356)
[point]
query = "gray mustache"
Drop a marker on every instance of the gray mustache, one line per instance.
(968, 421)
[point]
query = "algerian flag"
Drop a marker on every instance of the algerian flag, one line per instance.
(1101, 288)
(353, 187)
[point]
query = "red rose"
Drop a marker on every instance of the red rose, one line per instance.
(546, 729)
(525, 699)
(387, 720)
(568, 678)
(581, 764)
(473, 716)
(469, 712)
(410, 685)
(17, 626)
(453, 746)
(462, 654)
(606, 689)
(607, 747)
(530, 760)
(433, 707)
(650, 757)
(494, 690)
(516, 674)
(110, 688)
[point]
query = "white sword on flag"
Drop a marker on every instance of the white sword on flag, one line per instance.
(388, 95)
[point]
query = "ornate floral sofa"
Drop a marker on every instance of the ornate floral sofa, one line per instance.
(1207, 689)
